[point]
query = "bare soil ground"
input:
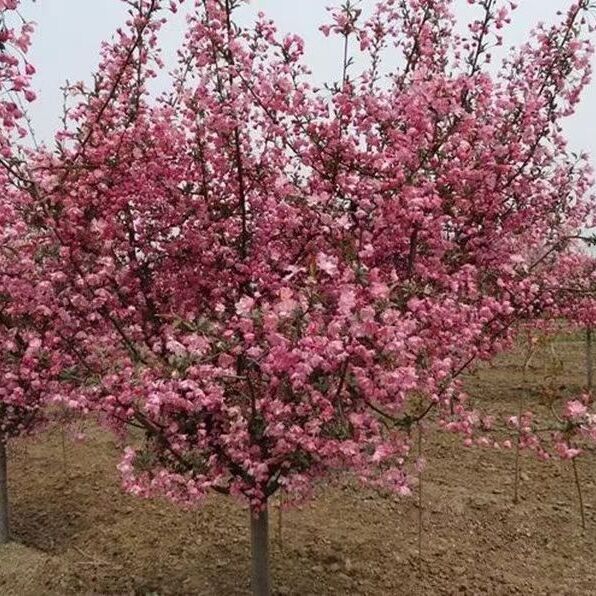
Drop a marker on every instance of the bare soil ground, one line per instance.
(78, 534)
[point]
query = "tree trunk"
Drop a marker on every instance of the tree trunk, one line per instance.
(4, 535)
(589, 357)
(259, 535)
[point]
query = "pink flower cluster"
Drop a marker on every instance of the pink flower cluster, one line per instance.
(276, 282)
(26, 365)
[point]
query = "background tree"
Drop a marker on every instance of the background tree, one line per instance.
(27, 360)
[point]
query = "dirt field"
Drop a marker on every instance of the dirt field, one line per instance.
(78, 534)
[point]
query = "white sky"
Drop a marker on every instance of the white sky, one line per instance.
(69, 33)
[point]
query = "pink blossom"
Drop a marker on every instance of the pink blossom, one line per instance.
(575, 409)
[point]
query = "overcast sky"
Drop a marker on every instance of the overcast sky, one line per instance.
(69, 33)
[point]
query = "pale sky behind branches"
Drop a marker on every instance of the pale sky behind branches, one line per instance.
(69, 32)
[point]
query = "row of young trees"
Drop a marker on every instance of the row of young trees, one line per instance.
(268, 282)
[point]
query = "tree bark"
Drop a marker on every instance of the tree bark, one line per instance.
(259, 535)
(589, 358)
(4, 533)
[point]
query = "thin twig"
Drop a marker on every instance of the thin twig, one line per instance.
(91, 560)
(579, 493)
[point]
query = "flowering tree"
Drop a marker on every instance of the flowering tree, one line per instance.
(275, 282)
(580, 310)
(23, 362)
